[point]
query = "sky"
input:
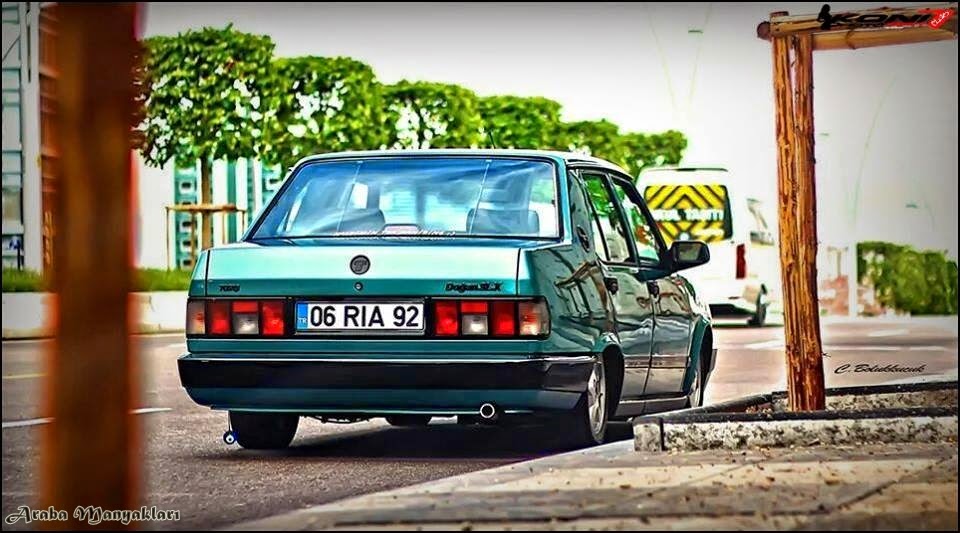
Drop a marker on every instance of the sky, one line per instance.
(885, 118)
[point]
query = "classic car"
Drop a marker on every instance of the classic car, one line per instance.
(487, 285)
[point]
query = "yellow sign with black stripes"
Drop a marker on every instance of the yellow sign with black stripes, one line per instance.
(699, 212)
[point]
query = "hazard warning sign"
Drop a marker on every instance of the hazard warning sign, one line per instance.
(698, 212)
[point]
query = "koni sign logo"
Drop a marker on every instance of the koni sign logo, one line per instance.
(935, 18)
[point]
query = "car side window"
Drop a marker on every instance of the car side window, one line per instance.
(611, 224)
(578, 196)
(646, 242)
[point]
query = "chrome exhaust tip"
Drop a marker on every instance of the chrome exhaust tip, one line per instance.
(488, 411)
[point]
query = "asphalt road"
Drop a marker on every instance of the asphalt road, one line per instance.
(188, 468)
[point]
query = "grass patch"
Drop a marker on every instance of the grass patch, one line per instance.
(22, 281)
(158, 279)
(145, 280)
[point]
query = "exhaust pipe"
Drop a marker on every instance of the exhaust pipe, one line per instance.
(488, 412)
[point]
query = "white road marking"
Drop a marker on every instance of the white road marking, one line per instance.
(23, 376)
(766, 345)
(888, 333)
(39, 421)
(148, 410)
(177, 345)
(25, 423)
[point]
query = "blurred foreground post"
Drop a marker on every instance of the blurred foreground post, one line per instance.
(89, 452)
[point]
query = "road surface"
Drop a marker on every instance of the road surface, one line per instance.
(188, 468)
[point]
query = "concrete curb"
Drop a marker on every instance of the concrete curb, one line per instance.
(764, 431)
(854, 415)
(26, 314)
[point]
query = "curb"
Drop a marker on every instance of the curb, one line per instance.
(854, 415)
(26, 315)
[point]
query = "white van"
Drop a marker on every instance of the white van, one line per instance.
(700, 203)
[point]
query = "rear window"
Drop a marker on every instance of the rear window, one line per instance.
(435, 197)
(690, 211)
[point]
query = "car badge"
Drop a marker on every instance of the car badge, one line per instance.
(360, 265)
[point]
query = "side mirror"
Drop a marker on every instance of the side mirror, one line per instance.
(688, 254)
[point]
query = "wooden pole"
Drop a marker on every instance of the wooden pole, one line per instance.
(89, 451)
(806, 382)
(801, 396)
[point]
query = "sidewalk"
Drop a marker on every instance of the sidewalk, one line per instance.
(900, 486)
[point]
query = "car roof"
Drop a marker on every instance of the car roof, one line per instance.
(568, 157)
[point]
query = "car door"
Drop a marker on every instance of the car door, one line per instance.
(673, 313)
(631, 298)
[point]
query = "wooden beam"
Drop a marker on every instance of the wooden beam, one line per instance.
(783, 25)
(864, 28)
(805, 374)
(854, 40)
(89, 452)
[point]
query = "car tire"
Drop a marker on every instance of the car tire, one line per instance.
(590, 416)
(759, 318)
(264, 431)
(408, 420)
(695, 398)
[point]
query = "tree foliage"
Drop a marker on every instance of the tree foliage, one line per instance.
(204, 94)
(920, 283)
(220, 94)
(431, 115)
(518, 122)
(323, 104)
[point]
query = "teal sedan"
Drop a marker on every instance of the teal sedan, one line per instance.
(485, 285)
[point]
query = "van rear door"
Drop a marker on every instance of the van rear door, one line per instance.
(700, 210)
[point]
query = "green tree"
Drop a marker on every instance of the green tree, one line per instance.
(431, 115)
(599, 138)
(324, 104)
(518, 122)
(642, 150)
(204, 95)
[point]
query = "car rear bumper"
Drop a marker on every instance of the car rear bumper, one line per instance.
(383, 386)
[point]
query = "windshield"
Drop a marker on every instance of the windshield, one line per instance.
(421, 197)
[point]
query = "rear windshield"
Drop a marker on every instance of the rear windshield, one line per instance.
(418, 197)
(690, 211)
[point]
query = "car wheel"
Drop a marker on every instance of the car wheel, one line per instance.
(408, 420)
(759, 318)
(264, 431)
(590, 415)
(695, 398)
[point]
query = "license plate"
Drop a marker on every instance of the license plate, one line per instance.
(355, 316)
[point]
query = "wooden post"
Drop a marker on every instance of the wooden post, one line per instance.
(89, 452)
(793, 98)
(806, 373)
(804, 391)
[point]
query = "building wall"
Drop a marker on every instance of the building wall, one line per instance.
(22, 239)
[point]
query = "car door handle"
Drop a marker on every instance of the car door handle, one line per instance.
(612, 285)
(654, 288)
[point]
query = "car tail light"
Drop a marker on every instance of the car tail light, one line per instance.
(196, 317)
(534, 320)
(447, 321)
(219, 312)
(483, 318)
(236, 317)
(474, 319)
(504, 319)
(271, 318)
(741, 261)
(246, 318)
